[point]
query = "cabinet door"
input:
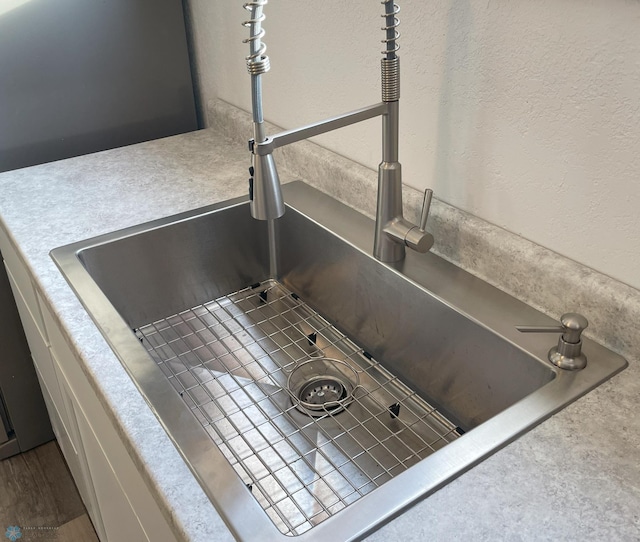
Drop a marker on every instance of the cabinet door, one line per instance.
(99, 428)
(78, 461)
(118, 518)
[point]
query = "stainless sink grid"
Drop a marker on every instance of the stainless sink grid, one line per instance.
(230, 360)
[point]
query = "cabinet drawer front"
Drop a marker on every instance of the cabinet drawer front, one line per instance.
(21, 278)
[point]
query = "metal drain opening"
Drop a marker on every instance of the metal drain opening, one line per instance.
(319, 387)
(322, 391)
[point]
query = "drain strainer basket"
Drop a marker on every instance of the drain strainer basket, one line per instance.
(322, 386)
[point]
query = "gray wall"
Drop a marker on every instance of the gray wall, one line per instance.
(77, 76)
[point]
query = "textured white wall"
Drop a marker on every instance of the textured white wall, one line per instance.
(526, 114)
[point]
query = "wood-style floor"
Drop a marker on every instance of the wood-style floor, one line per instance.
(37, 494)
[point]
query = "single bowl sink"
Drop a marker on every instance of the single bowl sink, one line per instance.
(299, 377)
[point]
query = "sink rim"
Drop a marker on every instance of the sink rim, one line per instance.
(416, 483)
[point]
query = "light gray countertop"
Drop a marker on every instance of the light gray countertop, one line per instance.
(574, 477)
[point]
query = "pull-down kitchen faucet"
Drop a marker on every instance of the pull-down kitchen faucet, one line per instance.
(393, 231)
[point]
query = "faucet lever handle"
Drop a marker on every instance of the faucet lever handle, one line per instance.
(416, 237)
(426, 205)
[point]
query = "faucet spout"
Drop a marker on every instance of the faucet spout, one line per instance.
(393, 232)
(265, 192)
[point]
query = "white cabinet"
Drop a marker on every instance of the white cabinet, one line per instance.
(75, 452)
(119, 519)
(115, 494)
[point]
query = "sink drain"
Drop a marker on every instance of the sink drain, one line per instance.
(322, 386)
(323, 391)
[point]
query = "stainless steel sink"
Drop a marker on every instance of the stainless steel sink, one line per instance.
(300, 377)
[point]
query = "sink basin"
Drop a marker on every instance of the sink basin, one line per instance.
(299, 377)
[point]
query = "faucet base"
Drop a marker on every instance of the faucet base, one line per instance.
(388, 250)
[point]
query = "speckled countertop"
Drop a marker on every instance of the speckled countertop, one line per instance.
(574, 477)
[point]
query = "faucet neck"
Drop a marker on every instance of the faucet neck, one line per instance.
(390, 131)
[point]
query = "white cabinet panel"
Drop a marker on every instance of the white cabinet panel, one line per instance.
(113, 449)
(78, 465)
(37, 343)
(118, 518)
(22, 279)
(56, 422)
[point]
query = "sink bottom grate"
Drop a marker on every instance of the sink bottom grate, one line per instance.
(230, 360)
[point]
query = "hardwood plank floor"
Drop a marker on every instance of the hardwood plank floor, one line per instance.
(79, 529)
(38, 494)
